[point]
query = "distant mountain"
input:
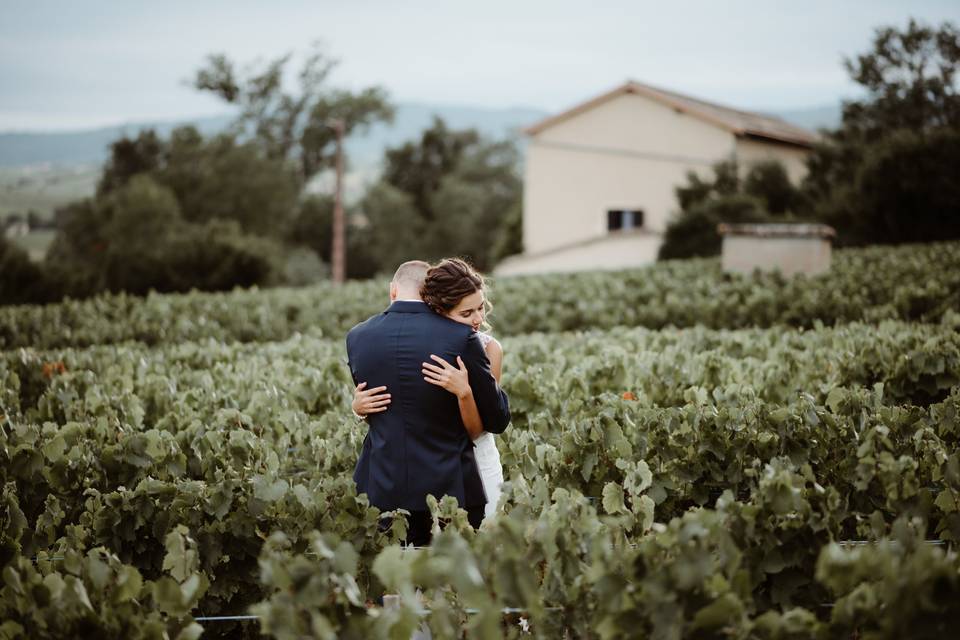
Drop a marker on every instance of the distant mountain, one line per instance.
(92, 146)
(813, 118)
(89, 146)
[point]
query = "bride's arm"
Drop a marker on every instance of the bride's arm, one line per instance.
(456, 381)
(470, 414)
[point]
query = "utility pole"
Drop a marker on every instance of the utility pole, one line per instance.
(339, 249)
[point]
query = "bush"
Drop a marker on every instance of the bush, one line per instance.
(911, 184)
(694, 233)
(905, 191)
(764, 194)
(769, 182)
(21, 280)
(304, 267)
(218, 256)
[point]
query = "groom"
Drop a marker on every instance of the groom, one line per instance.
(419, 446)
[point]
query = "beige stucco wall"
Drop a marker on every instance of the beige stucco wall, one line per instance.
(626, 153)
(743, 254)
(618, 251)
(750, 152)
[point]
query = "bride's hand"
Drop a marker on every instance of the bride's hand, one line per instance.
(367, 401)
(453, 379)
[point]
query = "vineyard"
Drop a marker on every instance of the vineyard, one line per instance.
(692, 455)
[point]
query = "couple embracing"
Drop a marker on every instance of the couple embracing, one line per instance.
(428, 386)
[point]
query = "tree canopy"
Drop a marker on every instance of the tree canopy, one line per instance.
(448, 193)
(292, 125)
(887, 174)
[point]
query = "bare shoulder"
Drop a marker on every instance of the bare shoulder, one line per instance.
(495, 355)
(493, 347)
(489, 342)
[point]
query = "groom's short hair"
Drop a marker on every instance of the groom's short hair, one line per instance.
(411, 274)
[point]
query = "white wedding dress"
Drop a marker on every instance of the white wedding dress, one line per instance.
(488, 459)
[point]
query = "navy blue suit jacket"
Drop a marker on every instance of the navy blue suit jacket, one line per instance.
(419, 446)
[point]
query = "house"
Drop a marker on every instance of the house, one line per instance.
(15, 227)
(600, 177)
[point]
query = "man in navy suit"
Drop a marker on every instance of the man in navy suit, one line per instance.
(419, 446)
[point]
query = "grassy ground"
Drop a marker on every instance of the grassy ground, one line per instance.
(36, 243)
(43, 188)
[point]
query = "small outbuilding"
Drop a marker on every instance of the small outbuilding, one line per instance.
(788, 248)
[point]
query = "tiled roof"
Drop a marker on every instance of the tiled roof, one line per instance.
(740, 123)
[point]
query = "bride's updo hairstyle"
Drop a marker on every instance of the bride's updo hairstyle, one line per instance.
(448, 282)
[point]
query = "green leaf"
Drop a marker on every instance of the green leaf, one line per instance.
(191, 632)
(834, 398)
(392, 568)
(181, 557)
(269, 490)
(97, 571)
(723, 611)
(644, 507)
(169, 597)
(946, 501)
(54, 449)
(193, 589)
(78, 592)
(613, 499)
(129, 584)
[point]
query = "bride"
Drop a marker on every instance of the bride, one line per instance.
(455, 290)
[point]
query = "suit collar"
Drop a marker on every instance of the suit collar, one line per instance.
(408, 306)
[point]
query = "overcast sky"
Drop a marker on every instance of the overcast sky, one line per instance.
(67, 64)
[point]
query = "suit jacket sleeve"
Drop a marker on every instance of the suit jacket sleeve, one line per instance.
(492, 401)
(353, 374)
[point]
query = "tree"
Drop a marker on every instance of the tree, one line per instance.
(292, 126)
(418, 167)
(864, 178)
(725, 182)
(140, 215)
(135, 239)
(448, 193)
(36, 221)
(694, 232)
(764, 194)
(397, 229)
(908, 187)
(130, 157)
(768, 181)
(116, 241)
(911, 81)
(215, 178)
(221, 179)
(312, 226)
(21, 280)
(509, 238)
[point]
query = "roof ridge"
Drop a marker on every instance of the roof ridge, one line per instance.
(740, 122)
(708, 103)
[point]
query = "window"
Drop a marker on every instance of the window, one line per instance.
(624, 219)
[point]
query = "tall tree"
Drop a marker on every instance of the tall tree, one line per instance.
(417, 167)
(448, 193)
(910, 77)
(293, 125)
(907, 118)
(212, 178)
